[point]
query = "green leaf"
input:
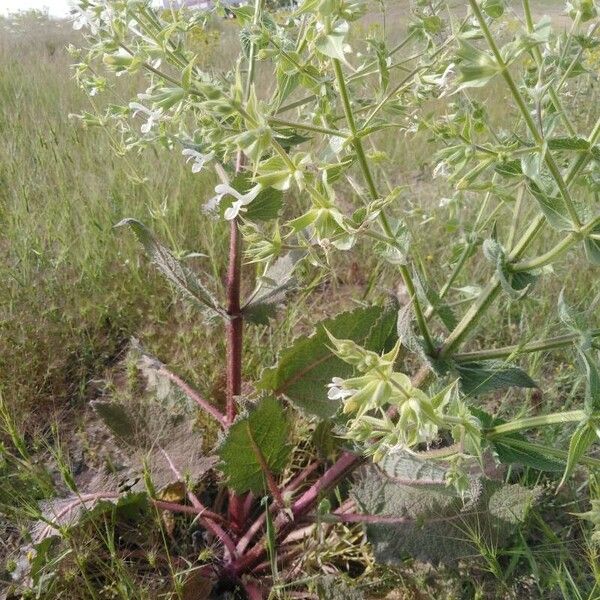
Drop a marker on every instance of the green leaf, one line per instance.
(476, 68)
(592, 248)
(592, 383)
(266, 426)
(305, 369)
(264, 207)
(428, 294)
(515, 284)
(493, 8)
(184, 280)
(484, 376)
(509, 168)
(440, 526)
(332, 44)
(513, 448)
(583, 437)
(276, 283)
(274, 172)
(577, 144)
(553, 207)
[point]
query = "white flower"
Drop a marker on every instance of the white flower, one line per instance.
(83, 19)
(336, 391)
(153, 115)
(241, 200)
(199, 159)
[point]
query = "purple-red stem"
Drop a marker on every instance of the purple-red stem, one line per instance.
(235, 340)
(195, 396)
(341, 467)
(235, 324)
(346, 463)
(208, 524)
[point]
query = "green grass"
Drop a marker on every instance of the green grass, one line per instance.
(74, 290)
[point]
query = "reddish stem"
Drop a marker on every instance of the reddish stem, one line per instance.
(341, 467)
(235, 339)
(260, 521)
(235, 329)
(253, 590)
(346, 463)
(302, 476)
(214, 528)
(194, 395)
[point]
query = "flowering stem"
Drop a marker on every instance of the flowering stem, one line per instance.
(235, 325)
(518, 98)
(366, 171)
(537, 55)
(540, 346)
(572, 416)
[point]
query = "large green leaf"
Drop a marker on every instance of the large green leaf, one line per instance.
(261, 434)
(484, 376)
(305, 369)
(439, 525)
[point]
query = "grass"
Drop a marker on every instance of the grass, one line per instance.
(75, 291)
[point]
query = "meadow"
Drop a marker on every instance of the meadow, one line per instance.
(75, 291)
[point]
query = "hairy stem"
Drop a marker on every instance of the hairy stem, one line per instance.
(572, 416)
(552, 343)
(235, 325)
(368, 176)
(194, 395)
(520, 102)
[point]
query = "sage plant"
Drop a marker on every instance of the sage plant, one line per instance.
(397, 383)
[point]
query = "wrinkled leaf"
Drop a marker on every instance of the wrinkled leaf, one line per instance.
(304, 370)
(440, 526)
(265, 425)
(157, 426)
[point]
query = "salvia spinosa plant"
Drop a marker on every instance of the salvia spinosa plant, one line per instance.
(291, 130)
